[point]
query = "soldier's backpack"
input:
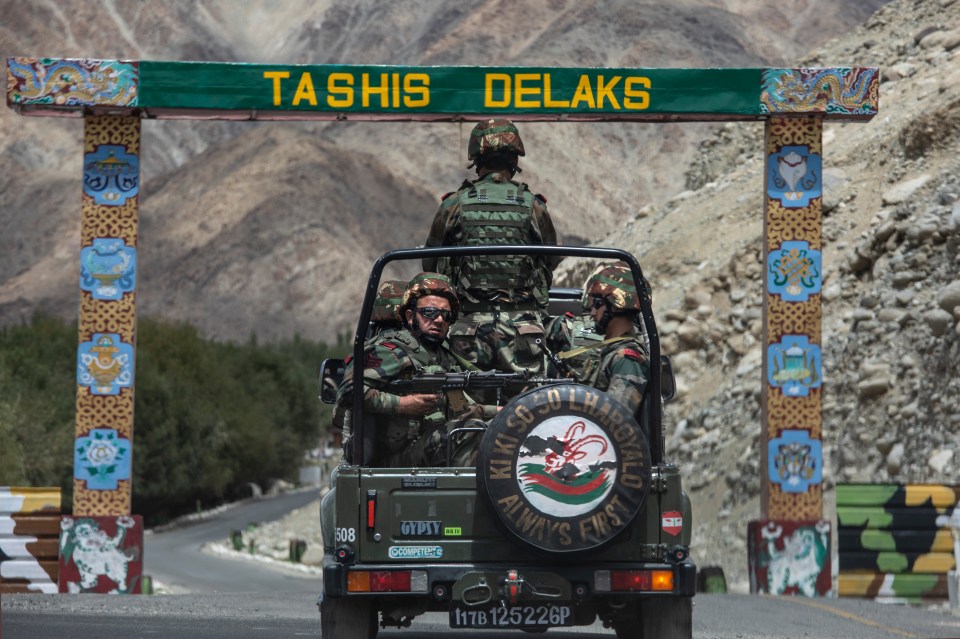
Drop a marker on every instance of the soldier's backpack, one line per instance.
(496, 213)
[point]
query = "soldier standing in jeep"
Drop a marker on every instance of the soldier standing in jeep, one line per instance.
(504, 299)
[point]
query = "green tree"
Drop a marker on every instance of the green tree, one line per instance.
(37, 404)
(209, 417)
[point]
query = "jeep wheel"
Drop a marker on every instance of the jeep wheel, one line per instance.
(565, 467)
(347, 619)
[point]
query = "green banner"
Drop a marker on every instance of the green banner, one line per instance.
(448, 90)
(52, 86)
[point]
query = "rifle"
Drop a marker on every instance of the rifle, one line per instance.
(562, 367)
(455, 385)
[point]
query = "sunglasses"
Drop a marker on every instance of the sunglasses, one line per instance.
(432, 313)
(598, 302)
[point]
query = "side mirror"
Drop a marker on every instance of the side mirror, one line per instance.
(668, 385)
(331, 375)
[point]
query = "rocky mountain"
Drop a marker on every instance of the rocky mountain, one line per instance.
(242, 235)
(891, 298)
(267, 228)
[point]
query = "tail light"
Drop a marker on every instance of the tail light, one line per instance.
(630, 580)
(387, 581)
(633, 580)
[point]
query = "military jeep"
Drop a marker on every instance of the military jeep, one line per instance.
(572, 513)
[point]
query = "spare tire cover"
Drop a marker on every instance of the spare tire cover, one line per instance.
(565, 467)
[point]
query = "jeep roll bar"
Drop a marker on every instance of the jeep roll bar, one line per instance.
(646, 312)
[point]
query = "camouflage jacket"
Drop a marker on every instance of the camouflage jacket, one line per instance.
(384, 359)
(401, 440)
(446, 228)
(623, 371)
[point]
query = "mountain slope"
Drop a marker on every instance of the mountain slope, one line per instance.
(891, 298)
(596, 176)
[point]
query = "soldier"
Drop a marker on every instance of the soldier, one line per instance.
(573, 341)
(384, 320)
(386, 307)
(410, 429)
(611, 297)
(504, 298)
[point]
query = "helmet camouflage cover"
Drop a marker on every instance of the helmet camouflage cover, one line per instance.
(428, 283)
(614, 283)
(495, 134)
(386, 307)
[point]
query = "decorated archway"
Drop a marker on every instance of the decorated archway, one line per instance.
(114, 97)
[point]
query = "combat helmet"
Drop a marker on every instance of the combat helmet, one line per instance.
(614, 283)
(494, 135)
(386, 307)
(428, 283)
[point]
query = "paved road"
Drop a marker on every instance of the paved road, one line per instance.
(271, 615)
(174, 557)
(234, 599)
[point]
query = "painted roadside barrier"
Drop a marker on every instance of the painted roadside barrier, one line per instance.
(29, 533)
(897, 543)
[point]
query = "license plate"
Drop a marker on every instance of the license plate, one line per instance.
(525, 616)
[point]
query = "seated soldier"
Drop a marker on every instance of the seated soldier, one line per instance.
(410, 429)
(611, 297)
(573, 342)
(384, 319)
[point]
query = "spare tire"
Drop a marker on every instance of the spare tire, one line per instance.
(565, 467)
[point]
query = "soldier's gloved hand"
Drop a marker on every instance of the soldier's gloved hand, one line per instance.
(417, 404)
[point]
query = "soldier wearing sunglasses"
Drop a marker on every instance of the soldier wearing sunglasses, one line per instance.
(410, 429)
(621, 364)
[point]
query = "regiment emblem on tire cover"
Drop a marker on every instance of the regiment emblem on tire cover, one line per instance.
(565, 467)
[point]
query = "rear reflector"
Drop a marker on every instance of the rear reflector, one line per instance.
(633, 580)
(387, 581)
(371, 509)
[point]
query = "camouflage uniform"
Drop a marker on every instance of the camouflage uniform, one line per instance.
(402, 440)
(504, 298)
(500, 338)
(623, 371)
(624, 362)
(399, 437)
(384, 321)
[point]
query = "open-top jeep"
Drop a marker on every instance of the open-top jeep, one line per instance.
(571, 513)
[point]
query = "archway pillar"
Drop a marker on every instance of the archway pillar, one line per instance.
(791, 446)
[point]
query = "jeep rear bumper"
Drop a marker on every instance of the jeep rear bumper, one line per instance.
(570, 581)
